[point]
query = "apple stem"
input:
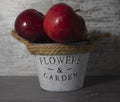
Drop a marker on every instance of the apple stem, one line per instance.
(77, 10)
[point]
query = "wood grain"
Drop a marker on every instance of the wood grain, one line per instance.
(26, 89)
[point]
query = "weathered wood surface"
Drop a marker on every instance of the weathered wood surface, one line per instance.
(100, 15)
(26, 89)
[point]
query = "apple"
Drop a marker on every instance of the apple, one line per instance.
(29, 25)
(63, 25)
(85, 31)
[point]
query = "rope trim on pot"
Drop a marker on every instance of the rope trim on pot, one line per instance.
(58, 48)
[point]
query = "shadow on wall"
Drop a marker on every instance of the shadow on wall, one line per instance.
(105, 59)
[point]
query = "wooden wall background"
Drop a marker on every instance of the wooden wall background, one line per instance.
(100, 16)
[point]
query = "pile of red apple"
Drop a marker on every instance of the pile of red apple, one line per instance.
(60, 24)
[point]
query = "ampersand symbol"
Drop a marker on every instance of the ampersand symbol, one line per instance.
(59, 70)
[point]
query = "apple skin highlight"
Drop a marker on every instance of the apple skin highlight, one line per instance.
(29, 25)
(63, 25)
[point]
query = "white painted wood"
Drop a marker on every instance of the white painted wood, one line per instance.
(100, 15)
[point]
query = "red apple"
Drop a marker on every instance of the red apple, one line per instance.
(29, 25)
(63, 25)
(85, 33)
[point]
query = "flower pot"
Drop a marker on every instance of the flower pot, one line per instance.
(61, 67)
(61, 72)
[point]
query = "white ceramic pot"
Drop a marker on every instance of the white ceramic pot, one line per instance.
(61, 72)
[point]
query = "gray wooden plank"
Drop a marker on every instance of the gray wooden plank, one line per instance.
(26, 89)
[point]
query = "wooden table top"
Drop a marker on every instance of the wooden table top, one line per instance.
(26, 89)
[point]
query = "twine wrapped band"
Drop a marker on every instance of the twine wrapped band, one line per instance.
(58, 48)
